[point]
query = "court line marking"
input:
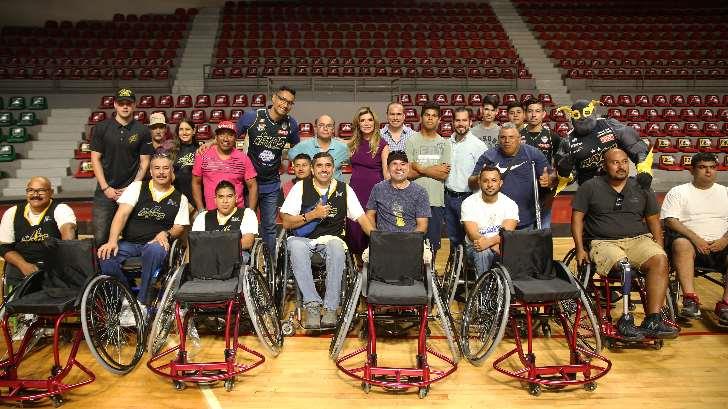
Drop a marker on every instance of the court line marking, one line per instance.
(210, 397)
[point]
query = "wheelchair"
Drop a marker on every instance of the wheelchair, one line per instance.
(527, 286)
(284, 283)
(396, 278)
(605, 292)
(216, 279)
(710, 273)
(69, 297)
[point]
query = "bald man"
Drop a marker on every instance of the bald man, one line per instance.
(25, 225)
(323, 142)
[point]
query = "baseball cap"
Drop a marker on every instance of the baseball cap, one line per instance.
(667, 162)
(125, 94)
(397, 155)
(225, 125)
(157, 118)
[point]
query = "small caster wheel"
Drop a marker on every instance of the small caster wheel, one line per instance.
(428, 332)
(658, 344)
(546, 328)
(590, 386)
(423, 392)
(287, 329)
(534, 389)
(229, 384)
(57, 400)
(364, 333)
(366, 387)
(179, 385)
(632, 306)
(608, 343)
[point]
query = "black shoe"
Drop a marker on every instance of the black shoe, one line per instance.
(627, 330)
(654, 327)
(691, 307)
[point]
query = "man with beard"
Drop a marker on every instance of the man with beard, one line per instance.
(25, 226)
(484, 213)
(619, 222)
(466, 149)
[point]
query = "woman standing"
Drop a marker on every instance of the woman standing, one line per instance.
(368, 167)
(184, 157)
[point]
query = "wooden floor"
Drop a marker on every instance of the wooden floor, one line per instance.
(689, 372)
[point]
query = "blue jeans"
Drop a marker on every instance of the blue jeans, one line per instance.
(153, 256)
(546, 218)
(481, 259)
(300, 250)
(434, 228)
(455, 230)
(268, 204)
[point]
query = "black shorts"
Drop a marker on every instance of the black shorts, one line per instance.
(714, 261)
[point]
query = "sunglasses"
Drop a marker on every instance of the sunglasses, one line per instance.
(618, 202)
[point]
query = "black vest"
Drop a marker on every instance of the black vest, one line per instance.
(148, 217)
(335, 223)
(588, 151)
(29, 239)
(232, 223)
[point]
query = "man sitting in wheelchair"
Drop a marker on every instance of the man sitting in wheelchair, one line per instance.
(150, 216)
(315, 211)
(483, 215)
(227, 217)
(696, 220)
(619, 221)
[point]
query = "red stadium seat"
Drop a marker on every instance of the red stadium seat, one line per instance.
(305, 129)
(235, 114)
(141, 116)
(474, 100)
(688, 114)
(707, 145)
(695, 101)
(607, 100)
(405, 99)
(711, 129)
(707, 115)
(96, 117)
(659, 100)
(670, 115)
(642, 100)
(146, 102)
(615, 113)
(202, 101)
(509, 98)
(686, 161)
(439, 99)
(664, 145)
(411, 115)
(258, 101)
(345, 130)
(457, 99)
(217, 115)
(557, 116)
(625, 101)
(85, 170)
(677, 100)
(240, 100)
(667, 162)
(672, 129)
(421, 99)
(687, 145)
(445, 129)
(221, 101)
(204, 132)
(165, 101)
(446, 115)
(723, 145)
(712, 100)
(653, 129)
(502, 115)
(562, 128)
(692, 129)
(198, 116)
(184, 101)
(546, 99)
(107, 102)
(83, 151)
(176, 116)
(633, 114)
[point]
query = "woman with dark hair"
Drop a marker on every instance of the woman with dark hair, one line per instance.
(185, 145)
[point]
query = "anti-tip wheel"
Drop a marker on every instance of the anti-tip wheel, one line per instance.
(534, 389)
(366, 387)
(57, 400)
(179, 385)
(229, 384)
(423, 392)
(288, 329)
(590, 386)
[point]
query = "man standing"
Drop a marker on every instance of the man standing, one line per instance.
(268, 131)
(323, 142)
(316, 210)
(25, 226)
(223, 162)
(301, 170)
(398, 205)
(618, 221)
(396, 132)
(484, 214)
(516, 162)
(466, 150)
(487, 130)
(696, 218)
(431, 156)
(120, 151)
(158, 129)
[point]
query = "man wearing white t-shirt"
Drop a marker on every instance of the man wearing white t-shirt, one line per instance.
(696, 216)
(483, 214)
(26, 225)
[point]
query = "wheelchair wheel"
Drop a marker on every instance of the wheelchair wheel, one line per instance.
(587, 334)
(282, 271)
(163, 322)
(668, 308)
(262, 310)
(445, 319)
(117, 348)
(485, 315)
(348, 309)
(176, 254)
(261, 261)
(451, 276)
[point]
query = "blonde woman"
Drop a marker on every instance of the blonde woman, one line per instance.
(368, 167)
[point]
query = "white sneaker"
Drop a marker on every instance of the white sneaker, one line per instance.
(126, 317)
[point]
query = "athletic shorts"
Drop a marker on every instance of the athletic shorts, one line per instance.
(717, 261)
(606, 253)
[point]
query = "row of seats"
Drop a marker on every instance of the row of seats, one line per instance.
(32, 62)
(662, 100)
(164, 31)
(434, 53)
(92, 42)
(394, 31)
(60, 73)
(268, 42)
(670, 163)
(16, 103)
(688, 129)
(14, 134)
(634, 54)
(186, 101)
(89, 53)
(405, 72)
(473, 99)
(25, 118)
(421, 59)
(608, 62)
(178, 12)
(649, 74)
(611, 34)
(669, 114)
(690, 145)
(707, 44)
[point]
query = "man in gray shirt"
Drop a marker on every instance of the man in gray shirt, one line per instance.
(487, 130)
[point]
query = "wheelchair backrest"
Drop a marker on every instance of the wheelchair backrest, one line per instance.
(528, 254)
(396, 258)
(214, 255)
(69, 263)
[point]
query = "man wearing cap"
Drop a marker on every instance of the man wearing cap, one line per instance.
(223, 162)
(323, 142)
(158, 129)
(120, 150)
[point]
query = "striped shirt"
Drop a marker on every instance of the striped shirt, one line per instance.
(396, 145)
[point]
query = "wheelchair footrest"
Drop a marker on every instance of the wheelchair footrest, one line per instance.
(202, 372)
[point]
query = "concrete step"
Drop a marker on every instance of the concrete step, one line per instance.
(47, 172)
(45, 163)
(53, 145)
(69, 112)
(71, 184)
(58, 137)
(48, 154)
(66, 120)
(18, 183)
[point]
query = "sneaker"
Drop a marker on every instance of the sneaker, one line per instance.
(691, 306)
(312, 315)
(127, 318)
(329, 319)
(654, 327)
(721, 310)
(628, 330)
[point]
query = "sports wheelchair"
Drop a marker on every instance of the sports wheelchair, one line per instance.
(604, 293)
(68, 290)
(284, 283)
(215, 278)
(395, 278)
(525, 286)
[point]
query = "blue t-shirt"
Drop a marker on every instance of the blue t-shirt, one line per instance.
(518, 182)
(266, 140)
(398, 209)
(337, 149)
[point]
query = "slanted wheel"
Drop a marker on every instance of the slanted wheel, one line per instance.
(229, 384)
(163, 322)
(445, 319)
(262, 310)
(288, 329)
(485, 315)
(57, 400)
(534, 389)
(668, 308)
(348, 309)
(282, 273)
(366, 387)
(260, 259)
(423, 391)
(450, 278)
(176, 254)
(587, 330)
(179, 385)
(590, 386)
(116, 348)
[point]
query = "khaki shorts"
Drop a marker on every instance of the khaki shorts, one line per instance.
(606, 253)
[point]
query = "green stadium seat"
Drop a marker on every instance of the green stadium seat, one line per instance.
(7, 153)
(16, 103)
(17, 134)
(38, 102)
(6, 119)
(27, 119)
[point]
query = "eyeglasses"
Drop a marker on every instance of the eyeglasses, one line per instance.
(618, 202)
(326, 126)
(286, 101)
(36, 191)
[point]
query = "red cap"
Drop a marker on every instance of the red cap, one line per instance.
(225, 125)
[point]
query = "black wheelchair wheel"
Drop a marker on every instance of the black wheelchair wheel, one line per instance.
(587, 332)
(262, 311)
(163, 322)
(444, 318)
(282, 274)
(485, 316)
(668, 307)
(451, 276)
(117, 348)
(260, 259)
(348, 309)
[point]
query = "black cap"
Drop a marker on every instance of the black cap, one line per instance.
(125, 94)
(397, 155)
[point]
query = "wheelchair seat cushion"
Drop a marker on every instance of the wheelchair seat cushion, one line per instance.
(197, 290)
(318, 261)
(534, 290)
(132, 264)
(47, 301)
(393, 294)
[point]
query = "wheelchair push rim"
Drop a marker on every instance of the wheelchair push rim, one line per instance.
(262, 311)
